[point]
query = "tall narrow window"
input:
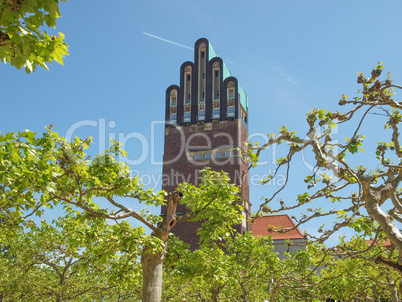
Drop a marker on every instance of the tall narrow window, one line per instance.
(202, 65)
(231, 107)
(216, 81)
(173, 118)
(173, 97)
(187, 85)
(173, 115)
(243, 113)
(187, 117)
(173, 107)
(231, 111)
(187, 114)
(216, 110)
(201, 111)
(231, 90)
(216, 113)
(173, 100)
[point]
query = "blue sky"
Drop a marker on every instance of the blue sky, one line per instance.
(289, 56)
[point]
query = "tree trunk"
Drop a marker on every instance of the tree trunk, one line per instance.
(152, 270)
(376, 297)
(151, 262)
(215, 294)
(400, 288)
(59, 298)
(245, 294)
(275, 289)
(393, 293)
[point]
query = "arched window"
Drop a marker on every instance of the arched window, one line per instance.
(173, 97)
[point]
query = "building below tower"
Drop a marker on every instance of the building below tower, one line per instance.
(268, 224)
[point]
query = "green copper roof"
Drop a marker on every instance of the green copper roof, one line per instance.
(226, 74)
(243, 97)
(212, 53)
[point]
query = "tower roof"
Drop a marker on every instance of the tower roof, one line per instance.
(226, 74)
(207, 92)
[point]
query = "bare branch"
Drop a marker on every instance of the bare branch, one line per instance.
(132, 213)
(107, 216)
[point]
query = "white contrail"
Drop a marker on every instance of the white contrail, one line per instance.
(190, 48)
(168, 41)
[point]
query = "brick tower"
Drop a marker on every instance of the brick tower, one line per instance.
(206, 124)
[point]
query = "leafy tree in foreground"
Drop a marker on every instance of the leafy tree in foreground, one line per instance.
(365, 197)
(246, 270)
(240, 271)
(22, 41)
(38, 173)
(77, 259)
(356, 275)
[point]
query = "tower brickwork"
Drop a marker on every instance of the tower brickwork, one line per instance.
(206, 126)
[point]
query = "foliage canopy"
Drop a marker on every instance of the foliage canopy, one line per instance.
(23, 41)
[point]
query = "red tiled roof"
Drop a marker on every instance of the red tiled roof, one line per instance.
(387, 243)
(262, 224)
